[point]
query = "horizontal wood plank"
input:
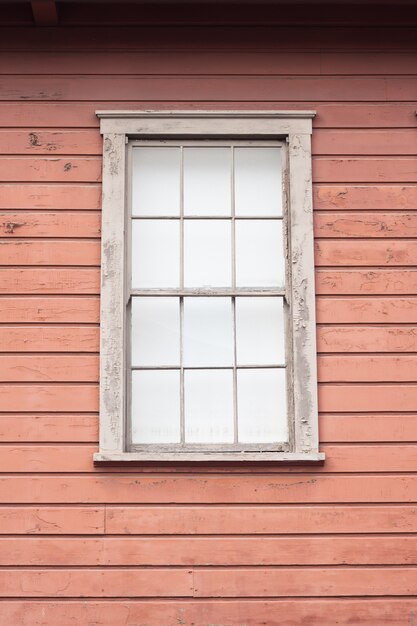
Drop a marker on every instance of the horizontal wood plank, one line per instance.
(362, 224)
(365, 197)
(365, 253)
(215, 62)
(210, 582)
(372, 427)
(260, 520)
(58, 252)
(36, 397)
(58, 427)
(216, 489)
(339, 310)
(305, 582)
(224, 88)
(363, 368)
(357, 170)
(367, 339)
(41, 196)
(38, 224)
(203, 520)
(50, 169)
(49, 367)
(208, 551)
(389, 611)
(49, 281)
(49, 339)
(81, 520)
(94, 582)
(156, 38)
(362, 282)
(61, 115)
(69, 142)
(367, 397)
(41, 458)
(18, 309)
(358, 142)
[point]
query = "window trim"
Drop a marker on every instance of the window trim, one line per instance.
(117, 128)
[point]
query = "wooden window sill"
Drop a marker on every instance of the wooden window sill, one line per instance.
(299, 458)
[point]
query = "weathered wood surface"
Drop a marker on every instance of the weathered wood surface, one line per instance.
(208, 551)
(315, 612)
(324, 545)
(217, 88)
(44, 458)
(201, 488)
(385, 612)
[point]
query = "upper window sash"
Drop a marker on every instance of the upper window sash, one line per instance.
(118, 127)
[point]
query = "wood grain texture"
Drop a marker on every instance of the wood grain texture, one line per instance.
(33, 253)
(17, 224)
(43, 458)
(367, 339)
(49, 339)
(364, 368)
(193, 488)
(50, 367)
(207, 551)
(365, 197)
(367, 427)
(51, 520)
(50, 142)
(49, 281)
(305, 582)
(51, 169)
(362, 224)
(207, 520)
(206, 583)
(41, 196)
(36, 397)
(16, 309)
(371, 169)
(94, 582)
(365, 252)
(315, 612)
(366, 282)
(363, 309)
(57, 427)
(276, 520)
(217, 88)
(62, 115)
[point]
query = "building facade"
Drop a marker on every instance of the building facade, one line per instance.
(200, 542)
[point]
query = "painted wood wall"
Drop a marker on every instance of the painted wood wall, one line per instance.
(288, 546)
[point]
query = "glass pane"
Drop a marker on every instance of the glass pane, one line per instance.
(156, 181)
(155, 331)
(207, 253)
(155, 254)
(208, 332)
(207, 181)
(260, 331)
(259, 253)
(262, 405)
(258, 181)
(156, 406)
(208, 396)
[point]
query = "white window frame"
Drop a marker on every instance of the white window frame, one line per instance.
(118, 128)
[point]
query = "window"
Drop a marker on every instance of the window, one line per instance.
(207, 305)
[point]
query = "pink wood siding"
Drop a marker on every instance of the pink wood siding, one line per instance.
(168, 546)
